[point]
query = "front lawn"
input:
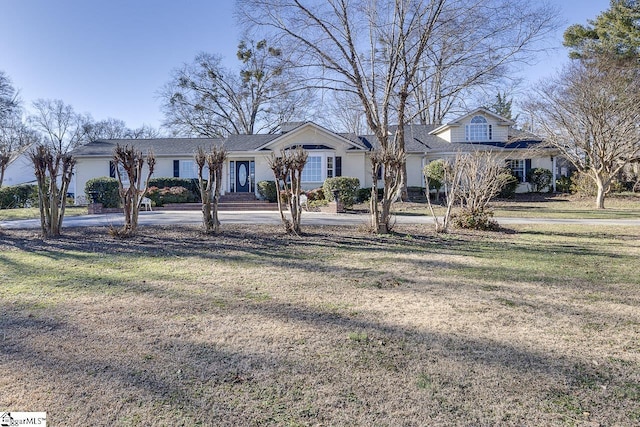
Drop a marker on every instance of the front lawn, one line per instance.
(533, 326)
(30, 213)
(557, 206)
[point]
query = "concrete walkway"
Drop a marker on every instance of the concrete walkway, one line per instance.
(270, 217)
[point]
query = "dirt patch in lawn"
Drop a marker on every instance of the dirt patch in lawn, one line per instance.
(336, 327)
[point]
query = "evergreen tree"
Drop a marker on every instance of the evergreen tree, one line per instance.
(615, 32)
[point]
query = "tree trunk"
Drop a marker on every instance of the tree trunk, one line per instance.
(600, 194)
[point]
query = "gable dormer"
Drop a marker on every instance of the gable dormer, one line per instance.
(478, 126)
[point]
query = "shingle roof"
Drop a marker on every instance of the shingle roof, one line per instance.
(160, 146)
(418, 139)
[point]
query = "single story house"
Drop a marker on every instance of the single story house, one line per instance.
(330, 154)
(20, 169)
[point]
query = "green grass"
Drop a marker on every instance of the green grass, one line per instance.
(31, 213)
(557, 206)
(539, 325)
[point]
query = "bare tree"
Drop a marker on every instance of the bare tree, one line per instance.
(210, 188)
(9, 101)
(15, 138)
(471, 180)
(53, 171)
(206, 99)
(476, 47)
(589, 112)
(287, 170)
(370, 49)
(133, 184)
(60, 125)
(113, 129)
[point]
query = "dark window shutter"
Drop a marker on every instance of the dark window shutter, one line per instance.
(379, 173)
(338, 166)
(112, 169)
(527, 168)
(176, 168)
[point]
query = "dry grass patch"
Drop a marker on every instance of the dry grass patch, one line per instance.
(540, 326)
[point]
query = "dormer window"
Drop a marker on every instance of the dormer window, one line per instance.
(478, 130)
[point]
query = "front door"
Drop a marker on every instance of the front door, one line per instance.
(243, 177)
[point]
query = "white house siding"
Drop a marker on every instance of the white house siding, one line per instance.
(86, 169)
(355, 165)
(414, 170)
(446, 135)
(19, 171)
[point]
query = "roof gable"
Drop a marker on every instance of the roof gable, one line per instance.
(478, 111)
(321, 132)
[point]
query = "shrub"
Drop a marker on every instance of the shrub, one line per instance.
(563, 184)
(191, 184)
(178, 194)
(18, 196)
(583, 185)
(508, 190)
(434, 171)
(105, 190)
(347, 188)
(539, 179)
(474, 220)
(267, 190)
(316, 194)
(364, 194)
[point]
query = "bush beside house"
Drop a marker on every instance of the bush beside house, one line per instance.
(103, 190)
(267, 191)
(18, 196)
(347, 188)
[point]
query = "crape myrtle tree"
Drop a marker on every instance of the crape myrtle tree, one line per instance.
(212, 161)
(133, 183)
(470, 180)
(287, 171)
(371, 49)
(589, 112)
(53, 170)
(206, 99)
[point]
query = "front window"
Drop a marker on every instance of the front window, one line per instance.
(312, 171)
(329, 167)
(478, 130)
(188, 169)
(517, 168)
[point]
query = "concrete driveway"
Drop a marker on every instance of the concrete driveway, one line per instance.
(270, 217)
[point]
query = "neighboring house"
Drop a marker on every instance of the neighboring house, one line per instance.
(19, 170)
(330, 154)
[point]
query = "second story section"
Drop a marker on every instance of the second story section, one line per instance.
(479, 126)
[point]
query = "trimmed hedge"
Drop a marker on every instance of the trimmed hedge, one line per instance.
(18, 196)
(190, 184)
(346, 186)
(178, 194)
(106, 189)
(267, 190)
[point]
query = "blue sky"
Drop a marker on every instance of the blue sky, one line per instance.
(109, 58)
